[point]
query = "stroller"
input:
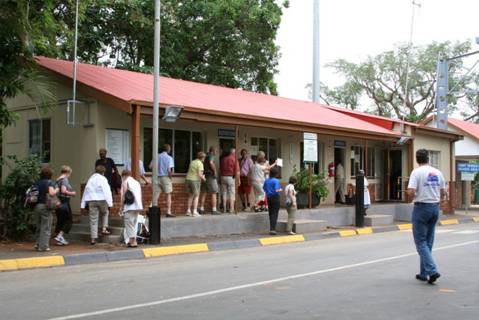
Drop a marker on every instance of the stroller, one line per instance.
(142, 232)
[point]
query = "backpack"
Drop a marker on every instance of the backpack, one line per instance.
(31, 196)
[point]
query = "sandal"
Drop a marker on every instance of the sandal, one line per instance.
(105, 231)
(131, 246)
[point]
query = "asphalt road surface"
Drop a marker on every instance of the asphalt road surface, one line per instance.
(364, 277)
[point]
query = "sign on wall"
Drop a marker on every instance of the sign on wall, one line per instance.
(467, 176)
(468, 167)
(118, 145)
(310, 153)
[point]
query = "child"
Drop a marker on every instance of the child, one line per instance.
(290, 194)
(272, 188)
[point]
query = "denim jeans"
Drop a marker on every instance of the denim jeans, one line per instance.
(424, 219)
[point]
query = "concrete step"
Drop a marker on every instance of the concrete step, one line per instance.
(112, 221)
(85, 228)
(304, 226)
(378, 220)
(85, 237)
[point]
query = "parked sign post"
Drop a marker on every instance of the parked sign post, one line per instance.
(310, 156)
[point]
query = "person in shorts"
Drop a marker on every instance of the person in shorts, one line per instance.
(229, 169)
(210, 185)
(244, 189)
(165, 174)
(194, 177)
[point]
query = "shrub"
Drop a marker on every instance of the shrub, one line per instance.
(318, 183)
(17, 220)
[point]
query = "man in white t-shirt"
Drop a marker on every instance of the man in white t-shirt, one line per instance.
(340, 183)
(427, 187)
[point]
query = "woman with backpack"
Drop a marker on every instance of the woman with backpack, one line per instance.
(64, 212)
(44, 208)
(131, 206)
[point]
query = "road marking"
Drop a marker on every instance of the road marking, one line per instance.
(367, 230)
(448, 222)
(405, 226)
(253, 284)
(165, 251)
(279, 240)
(467, 232)
(444, 230)
(347, 233)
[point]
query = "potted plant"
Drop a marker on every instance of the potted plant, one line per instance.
(318, 184)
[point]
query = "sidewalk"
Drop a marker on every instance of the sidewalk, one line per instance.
(17, 256)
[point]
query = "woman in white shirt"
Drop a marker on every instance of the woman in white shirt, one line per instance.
(131, 206)
(367, 197)
(98, 197)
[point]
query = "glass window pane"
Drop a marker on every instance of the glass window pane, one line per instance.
(46, 140)
(165, 136)
(254, 141)
(263, 146)
(147, 146)
(34, 139)
(182, 154)
(197, 143)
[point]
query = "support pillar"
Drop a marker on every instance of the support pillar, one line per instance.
(135, 141)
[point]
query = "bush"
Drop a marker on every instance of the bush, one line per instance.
(318, 183)
(17, 220)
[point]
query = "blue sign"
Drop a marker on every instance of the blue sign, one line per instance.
(468, 167)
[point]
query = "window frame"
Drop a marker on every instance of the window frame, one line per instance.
(437, 154)
(45, 157)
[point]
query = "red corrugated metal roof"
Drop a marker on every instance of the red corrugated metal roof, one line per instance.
(467, 127)
(134, 86)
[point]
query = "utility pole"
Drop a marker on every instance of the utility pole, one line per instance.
(154, 213)
(316, 64)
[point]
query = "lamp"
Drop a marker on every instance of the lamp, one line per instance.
(172, 113)
(403, 140)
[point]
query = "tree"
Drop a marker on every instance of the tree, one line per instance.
(382, 79)
(229, 43)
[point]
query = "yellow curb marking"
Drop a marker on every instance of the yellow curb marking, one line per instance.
(8, 264)
(448, 222)
(367, 230)
(476, 219)
(405, 226)
(279, 240)
(38, 262)
(347, 233)
(165, 251)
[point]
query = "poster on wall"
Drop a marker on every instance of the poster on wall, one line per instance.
(118, 145)
(310, 147)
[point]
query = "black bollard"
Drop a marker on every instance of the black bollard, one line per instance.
(360, 200)
(154, 223)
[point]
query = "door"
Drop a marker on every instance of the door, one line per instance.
(395, 175)
(226, 144)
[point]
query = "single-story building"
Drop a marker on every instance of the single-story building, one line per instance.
(116, 113)
(466, 151)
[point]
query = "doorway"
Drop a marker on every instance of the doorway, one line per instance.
(339, 154)
(226, 144)
(393, 176)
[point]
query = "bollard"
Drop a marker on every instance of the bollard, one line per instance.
(154, 224)
(360, 200)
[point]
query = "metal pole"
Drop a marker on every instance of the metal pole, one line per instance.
(316, 64)
(154, 213)
(360, 200)
(75, 44)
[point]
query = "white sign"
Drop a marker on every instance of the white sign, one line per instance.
(117, 145)
(279, 162)
(468, 176)
(310, 152)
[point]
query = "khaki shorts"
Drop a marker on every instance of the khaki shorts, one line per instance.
(228, 186)
(193, 187)
(210, 185)
(165, 184)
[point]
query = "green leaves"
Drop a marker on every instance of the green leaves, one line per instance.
(393, 91)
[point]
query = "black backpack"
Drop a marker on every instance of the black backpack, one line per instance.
(31, 196)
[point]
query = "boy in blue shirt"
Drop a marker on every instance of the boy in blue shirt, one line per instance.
(272, 188)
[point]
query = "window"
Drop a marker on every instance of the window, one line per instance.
(39, 136)
(184, 146)
(271, 147)
(434, 157)
(358, 161)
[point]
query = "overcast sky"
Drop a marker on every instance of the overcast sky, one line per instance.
(354, 29)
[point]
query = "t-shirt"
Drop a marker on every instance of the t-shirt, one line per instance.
(228, 165)
(270, 186)
(290, 193)
(257, 173)
(207, 168)
(196, 166)
(165, 163)
(66, 183)
(109, 165)
(428, 182)
(43, 186)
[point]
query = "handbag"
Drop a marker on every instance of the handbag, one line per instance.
(129, 197)
(52, 202)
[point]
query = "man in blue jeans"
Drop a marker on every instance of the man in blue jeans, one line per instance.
(427, 187)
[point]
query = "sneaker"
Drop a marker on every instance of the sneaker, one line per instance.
(433, 278)
(291, 233)
(215, 212)
(421, 278)
(189, 214)
(201, 211)
(44, 250)
(170, 215)
(196, 214)
(61, 240)
(273, 233)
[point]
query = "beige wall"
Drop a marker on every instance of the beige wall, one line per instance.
(432, 143)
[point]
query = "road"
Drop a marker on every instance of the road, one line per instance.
(364, 277)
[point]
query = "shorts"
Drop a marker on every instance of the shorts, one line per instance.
(245, 187)
(228, 186)
(193, 187)
(210, 185)
(165, 184)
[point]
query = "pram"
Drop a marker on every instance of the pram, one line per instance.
(142, 231)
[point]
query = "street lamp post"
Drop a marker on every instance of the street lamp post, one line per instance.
(154, 213)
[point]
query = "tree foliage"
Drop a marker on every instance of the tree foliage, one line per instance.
(382, 79)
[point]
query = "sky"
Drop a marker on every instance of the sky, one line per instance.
(354, 29)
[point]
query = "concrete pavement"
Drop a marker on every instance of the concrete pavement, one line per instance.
(368, 277)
